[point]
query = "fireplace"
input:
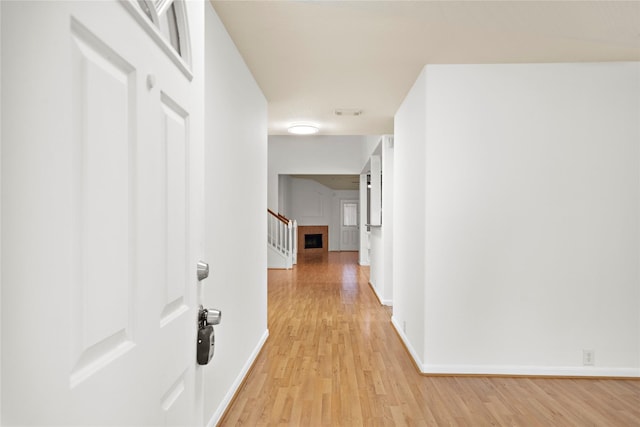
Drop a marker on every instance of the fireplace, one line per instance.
(313, 238)
(313, 241)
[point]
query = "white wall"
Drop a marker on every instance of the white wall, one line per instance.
(284, 195)
(235, 194)
(363, 258)
(381, 237)
(370, 145)
(314, 155)
(0, 214)
(315, 204)
(376, 261)
(387, 217)
(532, 238)
(408, 220)
(310, 202)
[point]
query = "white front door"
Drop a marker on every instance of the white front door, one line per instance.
(100, 295)
(349, 230)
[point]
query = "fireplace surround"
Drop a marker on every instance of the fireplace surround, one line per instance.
(313, 238)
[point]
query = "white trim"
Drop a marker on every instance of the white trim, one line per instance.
(184, 32)
(157, 37)
(564, 371)
(406, 342)
(559, 371)
(382, 300)
(161, 6)
(0, 215)
(215, 418)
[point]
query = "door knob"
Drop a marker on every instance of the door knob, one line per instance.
(203, 270)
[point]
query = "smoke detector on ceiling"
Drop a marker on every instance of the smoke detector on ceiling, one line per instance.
(347, 112)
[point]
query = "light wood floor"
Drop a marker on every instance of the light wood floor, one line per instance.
(333, 358)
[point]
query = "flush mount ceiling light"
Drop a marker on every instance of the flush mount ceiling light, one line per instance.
(303, 129)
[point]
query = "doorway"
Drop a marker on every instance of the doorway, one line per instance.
(349, 225)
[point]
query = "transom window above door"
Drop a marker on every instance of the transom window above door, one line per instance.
(169, 18)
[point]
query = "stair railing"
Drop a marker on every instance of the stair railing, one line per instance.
(282, 235)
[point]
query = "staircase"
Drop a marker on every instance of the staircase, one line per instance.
(282, 241)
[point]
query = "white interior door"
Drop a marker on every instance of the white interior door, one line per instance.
(99, 260)
(349, 230)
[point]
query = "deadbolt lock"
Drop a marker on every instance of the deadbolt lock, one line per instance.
(206, 335)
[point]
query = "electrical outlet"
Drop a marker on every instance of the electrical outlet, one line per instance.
(588, 357)
(404, 326)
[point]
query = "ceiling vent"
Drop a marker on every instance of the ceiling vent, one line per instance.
(347, 112)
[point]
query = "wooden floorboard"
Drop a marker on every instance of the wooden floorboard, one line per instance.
(333, 358)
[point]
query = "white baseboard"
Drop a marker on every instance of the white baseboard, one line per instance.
(516, 370)
(554, 371)
(406, 342)
(215, 418)
(382, 300)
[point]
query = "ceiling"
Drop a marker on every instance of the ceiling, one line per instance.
(335, 182)
(312, 57)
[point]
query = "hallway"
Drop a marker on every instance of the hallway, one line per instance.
(333, 358)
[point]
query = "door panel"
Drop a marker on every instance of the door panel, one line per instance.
(174, 138)
(102, 290)
(178, 304)
(99, 297)
(349, 217)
